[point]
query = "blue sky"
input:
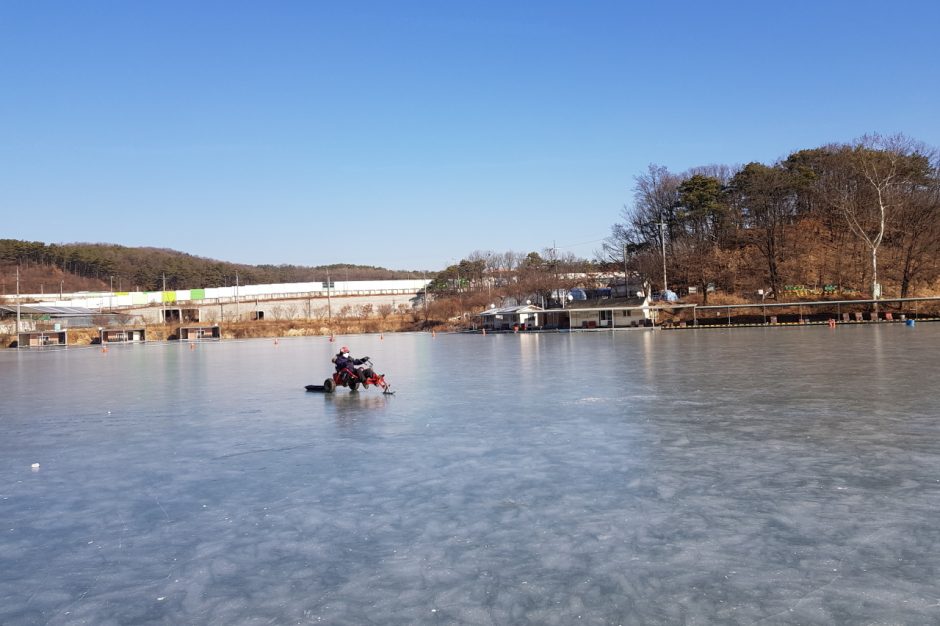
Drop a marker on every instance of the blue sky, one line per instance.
(409, 134)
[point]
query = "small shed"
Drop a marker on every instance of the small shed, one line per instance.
(200, 333)
(122, 335)
(42, 339)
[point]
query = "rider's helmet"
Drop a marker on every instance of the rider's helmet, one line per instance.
(344, 349)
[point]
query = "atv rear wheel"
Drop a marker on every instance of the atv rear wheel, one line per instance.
(329, 386)
(353, 385)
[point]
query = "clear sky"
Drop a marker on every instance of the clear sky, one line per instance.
(409, 134)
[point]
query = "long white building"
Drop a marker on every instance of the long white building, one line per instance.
(273, 291)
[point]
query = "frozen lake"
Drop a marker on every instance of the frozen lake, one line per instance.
(773, 476)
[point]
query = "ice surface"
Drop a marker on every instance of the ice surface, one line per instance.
(748, 476)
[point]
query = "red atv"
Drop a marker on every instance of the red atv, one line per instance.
(352, 378)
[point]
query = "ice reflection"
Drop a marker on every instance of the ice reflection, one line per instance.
(776, 476)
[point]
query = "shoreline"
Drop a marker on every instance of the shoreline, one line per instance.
(165, 333)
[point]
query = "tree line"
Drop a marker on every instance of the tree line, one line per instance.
(854, 218)
(487, 278)
(848, 220)
(145, 269)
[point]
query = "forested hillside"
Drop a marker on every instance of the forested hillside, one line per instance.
(846, 219)
(87, 266)
(839, 221)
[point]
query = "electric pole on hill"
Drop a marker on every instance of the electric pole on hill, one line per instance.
(662, 238)
(625, 271)
(17, 305)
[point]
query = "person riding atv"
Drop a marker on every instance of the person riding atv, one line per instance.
(350, 374)
(348, 367)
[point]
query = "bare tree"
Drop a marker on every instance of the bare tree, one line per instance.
(866, 188)
(648, 227)
(719, 171)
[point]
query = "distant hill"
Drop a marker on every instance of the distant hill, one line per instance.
(95, 266)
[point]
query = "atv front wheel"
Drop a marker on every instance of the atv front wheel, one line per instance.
(353, 385)
(329, 386)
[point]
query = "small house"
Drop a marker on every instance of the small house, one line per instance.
(42, 339)
(122, 335)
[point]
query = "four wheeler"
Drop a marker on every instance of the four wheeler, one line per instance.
(352, 378)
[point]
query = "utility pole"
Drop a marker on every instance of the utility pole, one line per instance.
(662, 238)
(17, 305)
(163, 301)
(329, 304)
(627, 295)
(236, 295)
(555, 288)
